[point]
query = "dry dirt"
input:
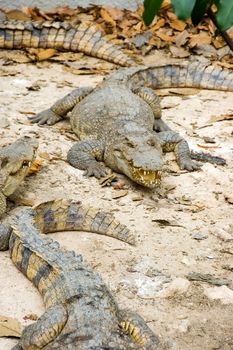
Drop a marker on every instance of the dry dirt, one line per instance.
(150, 278)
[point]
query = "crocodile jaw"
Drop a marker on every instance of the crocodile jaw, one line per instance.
(150, 178)
(146, 178)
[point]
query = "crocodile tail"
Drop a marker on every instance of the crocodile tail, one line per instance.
(68, 215)
(82, 37)
(194, 75)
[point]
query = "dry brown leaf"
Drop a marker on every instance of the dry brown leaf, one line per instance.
(207, 146)
(171, 15)
(62, 11)
(119, 194)
(119, 185)
(42, 55)
(166, 37)
(27, 112)
(182, 38)
(137, 28)
(106, 180)
(218, 42)
(225, 65)
(155, 42)
(179, 52)
(32, 317)
(24, 122)
(35, 167)
(28, 202)
(199, 39)
(115, 13)
(166, 4)
(18, 15)
(107, 17)
(10, 327)
(177, 24)
(219, 118)
(160, 23)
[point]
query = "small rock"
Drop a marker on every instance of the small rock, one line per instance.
(182, 326)
(119, 194)
(177, 286)
(4, 122)
(222, 234)
(223, 293)
(199, 236)
(208, 139)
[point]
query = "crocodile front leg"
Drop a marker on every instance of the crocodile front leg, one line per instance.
(46, 329)
(83, 155)
(134, 325)
(153, 100)
(172, 141)
(60, 108)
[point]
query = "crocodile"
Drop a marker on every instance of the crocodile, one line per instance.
(81, 37)
(119, 122)
(15, 161)
(81, 313)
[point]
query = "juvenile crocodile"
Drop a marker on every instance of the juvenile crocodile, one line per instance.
(119, 122)
(83, 37)
(81, 313)
(15, 161)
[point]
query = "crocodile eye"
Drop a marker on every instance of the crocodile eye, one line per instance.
(26, 164)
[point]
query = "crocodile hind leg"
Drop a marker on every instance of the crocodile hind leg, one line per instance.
(46, 329)
(60, 108)
(134, 325)
(84, 155)
(153, 100)
(172, 141)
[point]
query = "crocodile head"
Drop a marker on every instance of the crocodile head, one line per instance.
(15, 160)
(138, 156)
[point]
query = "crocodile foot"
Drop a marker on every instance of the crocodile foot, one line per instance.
(98, 170)
(188, 164)
(45, 117)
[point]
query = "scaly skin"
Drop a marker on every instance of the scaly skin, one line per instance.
(82, 37)
(120, 121)
(15, 161)
(81, 313)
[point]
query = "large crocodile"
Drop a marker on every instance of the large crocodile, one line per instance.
(81, 313)
(82, 37)
(15, 161)
(119, 122)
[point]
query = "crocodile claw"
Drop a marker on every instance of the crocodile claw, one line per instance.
(98, 170)
(45, 117)
(189, 165)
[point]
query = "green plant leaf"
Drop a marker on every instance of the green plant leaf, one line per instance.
(199, 10)
(151, 8)
(224, 15)
(183, 8)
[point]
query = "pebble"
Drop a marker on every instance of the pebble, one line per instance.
(177, 286)
(223, 293)
(222, 234)
(4, 122)
(199, 236)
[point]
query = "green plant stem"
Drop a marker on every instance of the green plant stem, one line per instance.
(224, 34)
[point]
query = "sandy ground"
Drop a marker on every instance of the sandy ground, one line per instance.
(150, 278)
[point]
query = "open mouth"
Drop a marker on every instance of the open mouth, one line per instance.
(149, 178)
